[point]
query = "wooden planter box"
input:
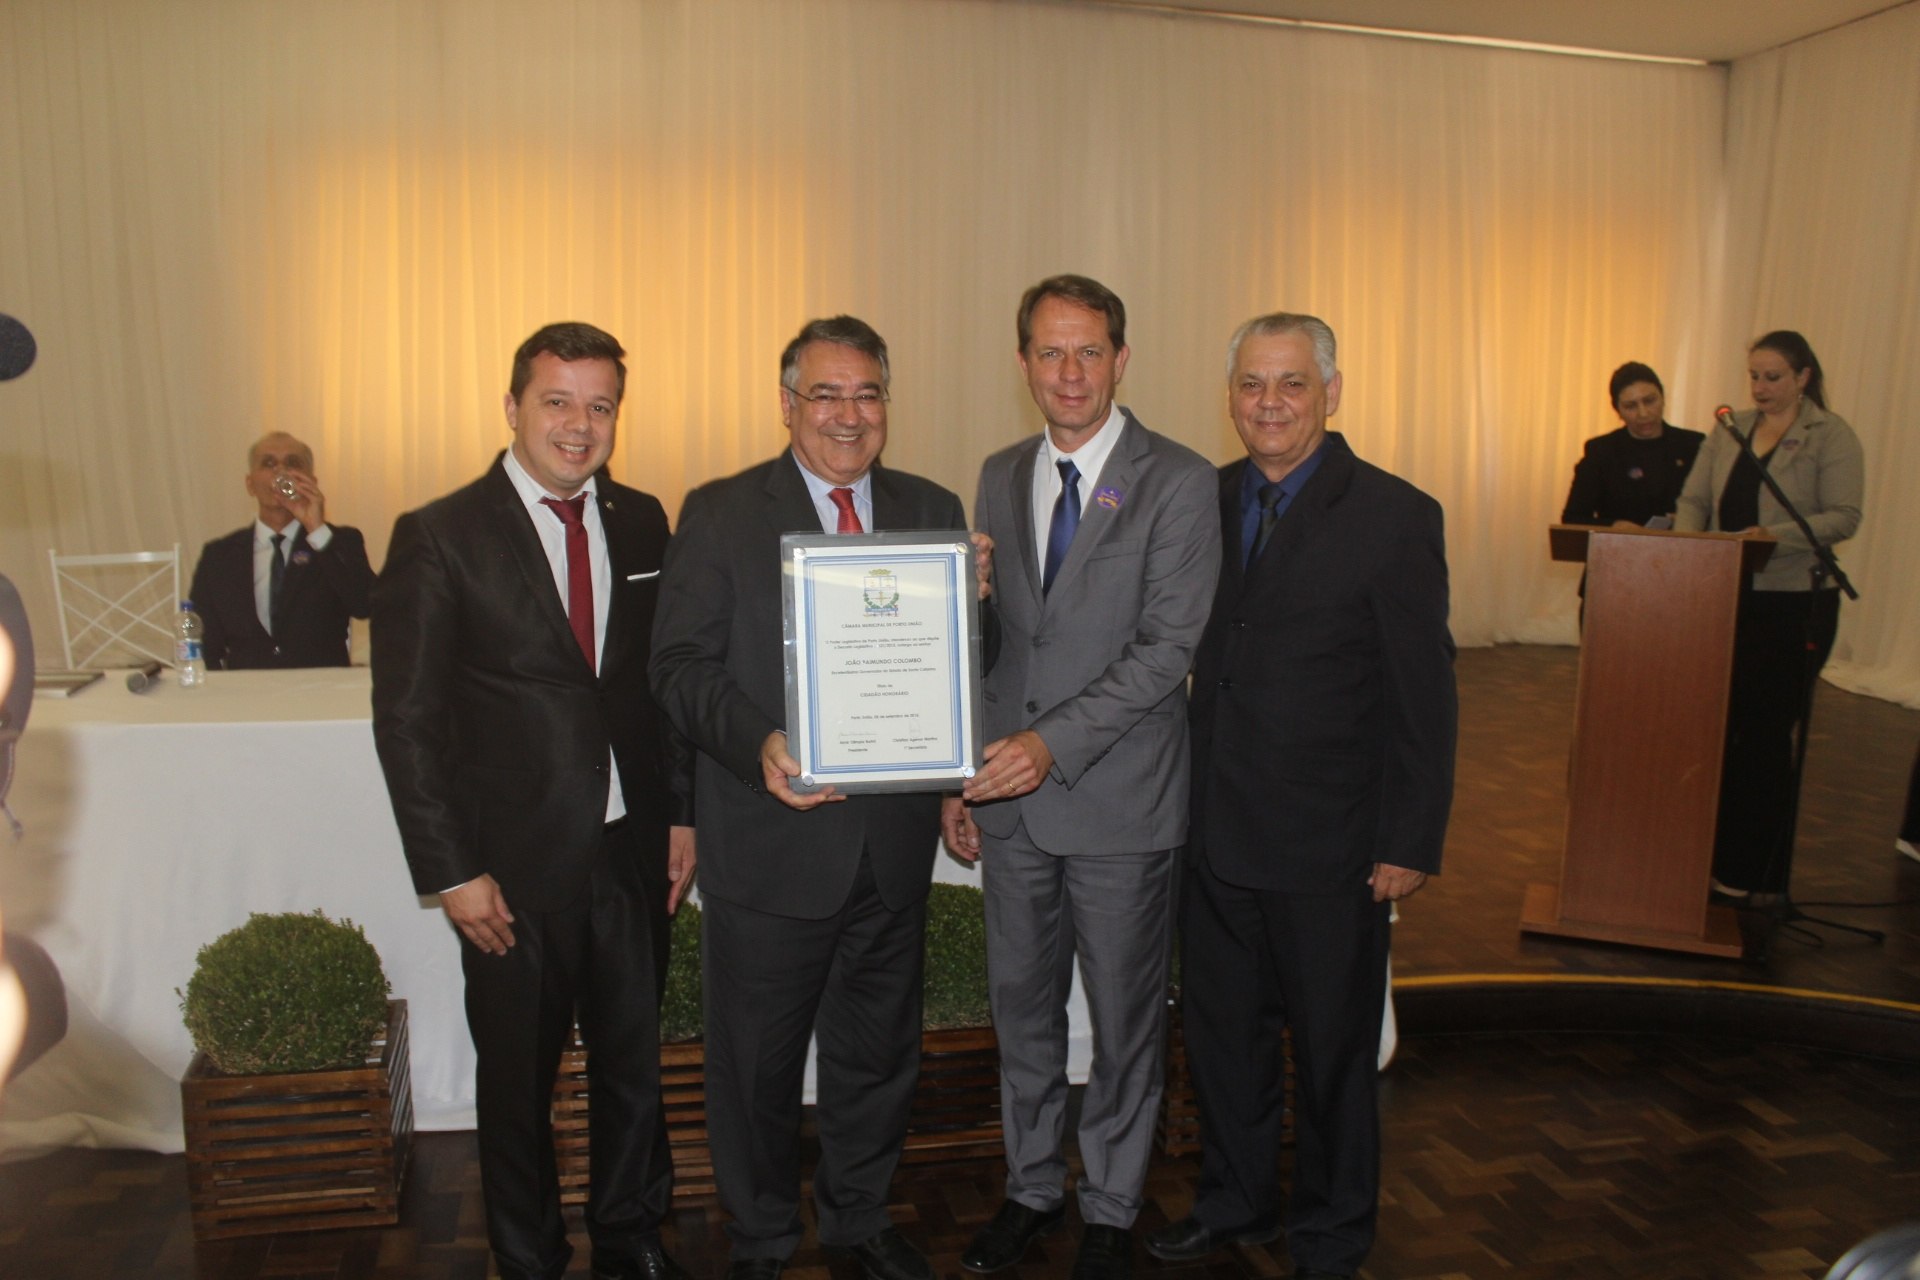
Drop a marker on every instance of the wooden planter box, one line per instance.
(956, 1110)
(682, 1088)
(956, 1105)
(684, 1092)
(302, 1151)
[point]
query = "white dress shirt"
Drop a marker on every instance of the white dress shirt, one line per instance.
(1089, 458)
(824, 507)
(263, 561)
(553, 540)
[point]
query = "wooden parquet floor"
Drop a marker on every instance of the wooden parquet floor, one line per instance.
(1509, 820)
(1522, 1156)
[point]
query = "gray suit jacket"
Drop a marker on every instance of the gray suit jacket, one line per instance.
(1098, 667)
(1819, 466)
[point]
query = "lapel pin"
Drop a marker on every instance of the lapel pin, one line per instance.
(1109, 497)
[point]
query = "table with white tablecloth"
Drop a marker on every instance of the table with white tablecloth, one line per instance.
(156, 822)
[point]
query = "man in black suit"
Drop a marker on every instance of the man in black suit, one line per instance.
(814, 904)
(279, 592)
(539, 794)
(1323, 721)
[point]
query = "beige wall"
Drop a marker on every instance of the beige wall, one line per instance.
(224, 215)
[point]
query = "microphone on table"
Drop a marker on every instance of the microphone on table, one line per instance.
(141, 679)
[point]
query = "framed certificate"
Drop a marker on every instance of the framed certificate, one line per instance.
(883, 660)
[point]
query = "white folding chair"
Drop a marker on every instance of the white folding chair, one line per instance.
(134, 625)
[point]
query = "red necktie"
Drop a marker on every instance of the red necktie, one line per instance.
(579, 569)
(849, 518)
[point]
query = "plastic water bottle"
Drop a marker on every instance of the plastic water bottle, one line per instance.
(190, 668)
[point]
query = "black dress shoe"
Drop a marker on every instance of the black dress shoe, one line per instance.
(1106, 1253)
(1189, 1238)
(755, 1268)
(888, 1256)
(1003, 1241)
(651, 1263)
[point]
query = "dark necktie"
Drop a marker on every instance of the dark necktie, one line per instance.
(579, 569)
(849, 518)
(276, 579)
(1065, 522)
(1270, 495)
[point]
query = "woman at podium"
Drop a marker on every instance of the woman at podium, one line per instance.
(1633, 473)
(1790, 609)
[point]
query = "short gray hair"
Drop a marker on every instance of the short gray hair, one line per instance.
(1279, 322)
(842, 331)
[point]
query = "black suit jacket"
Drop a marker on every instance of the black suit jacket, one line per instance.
(492, 729)
(320, 592)
(1621, 478)
(719, 673)
(1323, 704)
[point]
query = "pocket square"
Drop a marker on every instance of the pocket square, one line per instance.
(639, 577)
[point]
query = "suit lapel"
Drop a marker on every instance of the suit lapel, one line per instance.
(1233, 556)
(624, 555)
(1304, 513)
(790, 507)
(1101, 505)
(515, 526)
(889, 505)
(293, 578)
(1021, 496)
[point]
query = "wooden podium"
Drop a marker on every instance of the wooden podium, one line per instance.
(1656, 659)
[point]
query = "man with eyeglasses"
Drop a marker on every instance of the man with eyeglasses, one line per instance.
(814, 904)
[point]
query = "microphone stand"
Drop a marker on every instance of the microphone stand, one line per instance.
(1784, 914)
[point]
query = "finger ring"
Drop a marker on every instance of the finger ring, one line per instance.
(1009, 788)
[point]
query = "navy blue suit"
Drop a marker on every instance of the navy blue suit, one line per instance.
(1323, 714)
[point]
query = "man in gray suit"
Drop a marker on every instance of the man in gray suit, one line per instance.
(1107, 551)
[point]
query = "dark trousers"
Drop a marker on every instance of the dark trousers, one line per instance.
(770, 982)
(1255, 963)
(1753, 844)
(604, 960)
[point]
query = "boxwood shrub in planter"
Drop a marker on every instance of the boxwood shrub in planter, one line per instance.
(298, 1106)
(287, 993)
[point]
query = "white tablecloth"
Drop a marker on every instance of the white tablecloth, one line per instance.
(157, 822)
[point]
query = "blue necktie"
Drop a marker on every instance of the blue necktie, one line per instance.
(1066, 519)
(1270, 495)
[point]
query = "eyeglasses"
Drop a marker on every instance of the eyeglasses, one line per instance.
(866, 401)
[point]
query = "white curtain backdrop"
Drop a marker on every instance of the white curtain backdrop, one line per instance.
(1823, 193)
(225, 216)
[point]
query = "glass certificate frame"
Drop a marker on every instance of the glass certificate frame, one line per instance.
(882, 660)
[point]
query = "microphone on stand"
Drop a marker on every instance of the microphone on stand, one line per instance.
(1724, 416)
